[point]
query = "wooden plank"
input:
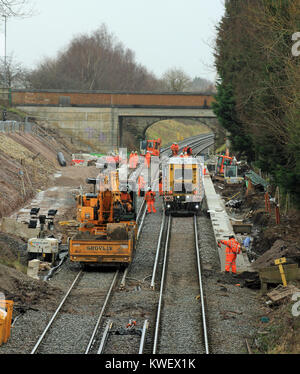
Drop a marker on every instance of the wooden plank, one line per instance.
(272, 273)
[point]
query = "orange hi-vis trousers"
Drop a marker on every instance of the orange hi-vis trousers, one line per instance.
(150, 205)
(230, 262)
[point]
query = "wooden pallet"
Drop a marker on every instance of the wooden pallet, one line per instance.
(271, 274)
(280, 292)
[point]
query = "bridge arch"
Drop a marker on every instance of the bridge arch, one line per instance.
(99, 120)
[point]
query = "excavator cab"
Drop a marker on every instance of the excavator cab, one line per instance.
(151, 146)
(222, 162)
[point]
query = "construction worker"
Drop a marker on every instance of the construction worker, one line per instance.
(131, 160)
(148, 159)
(160, 186)
(233, 248)
(135, 160)
(141, 184)
(189, 151)
(174, 149)
(150, 200)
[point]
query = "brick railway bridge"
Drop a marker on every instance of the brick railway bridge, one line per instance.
(99, 119)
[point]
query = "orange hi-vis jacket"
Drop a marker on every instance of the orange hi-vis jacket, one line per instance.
(175, 149)
(135, 160)
(141, 182)
(147, 159)
(131, 160)
(232, 247)
(150, 196)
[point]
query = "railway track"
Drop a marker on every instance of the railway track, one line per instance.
(198, 143)
(114, 334)
(85, 286)
(80, 299)
(181, 307)
(106, 336)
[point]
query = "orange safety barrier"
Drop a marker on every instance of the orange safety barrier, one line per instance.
(6, 310)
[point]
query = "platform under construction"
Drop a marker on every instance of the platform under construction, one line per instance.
(221, 224)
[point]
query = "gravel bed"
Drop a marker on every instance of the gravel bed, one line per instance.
(181, 326)
(232, 311)
(73, 327)
(25, 332)
(137, 301)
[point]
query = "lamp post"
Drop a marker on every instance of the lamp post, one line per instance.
(5, 72)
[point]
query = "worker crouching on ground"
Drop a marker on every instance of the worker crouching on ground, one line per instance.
(150, 200)
(233, 248)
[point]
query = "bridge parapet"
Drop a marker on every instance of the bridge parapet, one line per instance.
(110, 99)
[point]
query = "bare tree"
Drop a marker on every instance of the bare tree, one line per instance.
(176, 79)
(16, 8)
(94, 62)
(12, 73)
(201, 85)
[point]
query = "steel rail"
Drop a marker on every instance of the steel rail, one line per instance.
(189, 141)
(206, 145)
(55, 314)
(157, 251)
(105, 337)
(142, 222)
(201, 287)
(102, 312)
(192, 142)
(140, 211)
(161, 289)
(123, 281)
(143, 337)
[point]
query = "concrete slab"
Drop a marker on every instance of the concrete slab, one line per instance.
(221, 224)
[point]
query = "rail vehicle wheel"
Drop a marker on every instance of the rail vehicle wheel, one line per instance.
(123, 266)
(84, 266)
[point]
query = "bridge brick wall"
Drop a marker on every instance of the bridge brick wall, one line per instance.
(95, 119)
(108, 99)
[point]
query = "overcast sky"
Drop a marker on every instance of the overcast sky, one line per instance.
(162, 33)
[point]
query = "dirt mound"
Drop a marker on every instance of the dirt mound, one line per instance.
(24, 291)
(74, 176)
(11, 247)
(27, 161)
(279, 249)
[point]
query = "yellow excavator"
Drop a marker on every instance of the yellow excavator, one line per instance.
(108, 230)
